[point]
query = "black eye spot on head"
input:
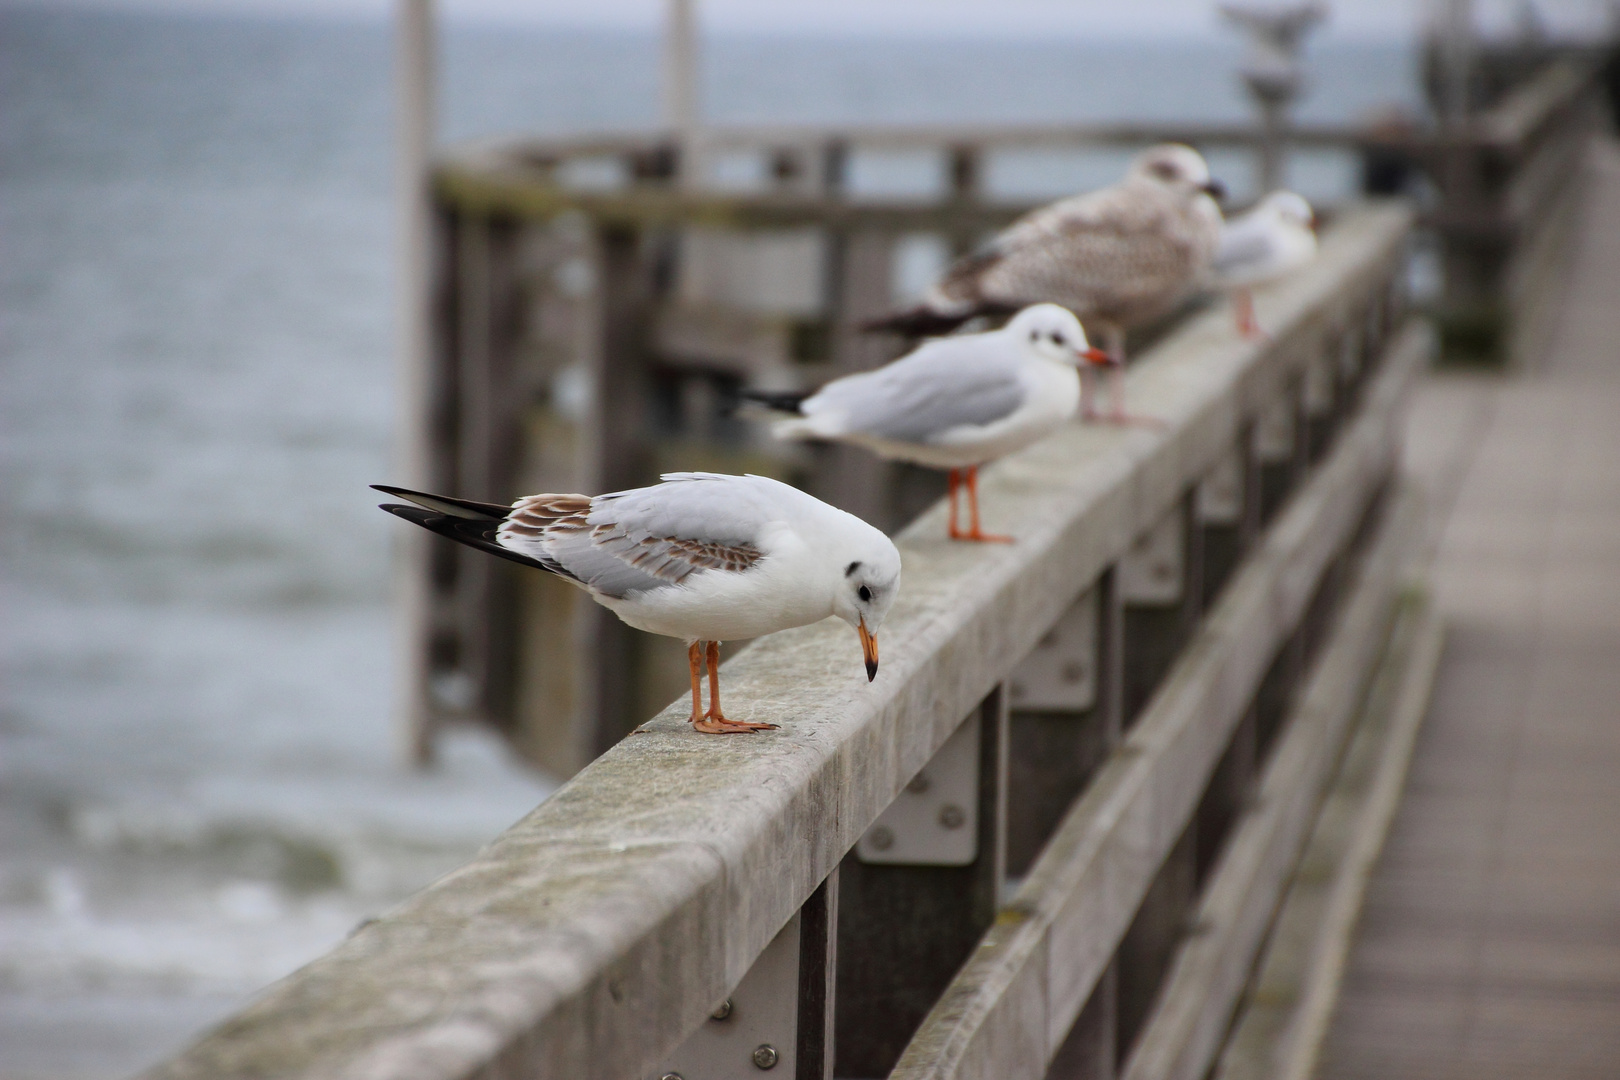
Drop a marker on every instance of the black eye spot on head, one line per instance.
(1164, 170)
(864, 593)
(852, 567)
(1057, 338)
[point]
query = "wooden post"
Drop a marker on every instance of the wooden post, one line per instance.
(1064, 720)
(904, 930)
(613, 435)
(1162, 592)
(1089, 1052)
(818, 975)
(681, 87)
(1278, 447)
(1163, 603)
(1221, 499)
(414, 79)
(1150, 944)
(859, 269)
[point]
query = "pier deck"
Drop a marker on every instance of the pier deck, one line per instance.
(1489, 945)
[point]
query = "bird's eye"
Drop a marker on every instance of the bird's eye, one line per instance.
(1035, 336)
(1057, 339)
(864, 593)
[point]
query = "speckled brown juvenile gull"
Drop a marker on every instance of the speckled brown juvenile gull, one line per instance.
(1115, 257)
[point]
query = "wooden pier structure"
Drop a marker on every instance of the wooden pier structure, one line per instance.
(595, 310)
(1112, 804)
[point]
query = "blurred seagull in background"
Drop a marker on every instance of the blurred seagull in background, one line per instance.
(1272, 240)
(1115, 257)
(703, 557)
(954, 403)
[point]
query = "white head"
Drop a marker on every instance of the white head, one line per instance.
(868, 565)
(1179, 168)
(1289, 207)
(1053, 333)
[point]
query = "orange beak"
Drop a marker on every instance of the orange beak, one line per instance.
(869, 650)
(1094, 356)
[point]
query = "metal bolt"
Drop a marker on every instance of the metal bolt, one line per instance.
(881, 838)
(919, 784)
(951, 816)
(722, 1011)
(1163, 571)
(765, 1056)
(1074, 671)
(672, 1076)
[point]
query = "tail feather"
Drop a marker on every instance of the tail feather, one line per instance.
(787, 401)
(475, 528)
(444, 504)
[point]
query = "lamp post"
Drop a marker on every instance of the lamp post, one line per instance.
(1271, 71)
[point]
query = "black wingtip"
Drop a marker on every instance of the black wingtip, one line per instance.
(916, 322)
(786, 401)
(445, 504)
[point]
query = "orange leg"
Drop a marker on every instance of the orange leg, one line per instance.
(694, 660)
(714, 722)
(974, 531)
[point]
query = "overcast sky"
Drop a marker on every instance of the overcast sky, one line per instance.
(1015, 18)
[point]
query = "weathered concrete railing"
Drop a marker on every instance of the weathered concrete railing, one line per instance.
(826, 881)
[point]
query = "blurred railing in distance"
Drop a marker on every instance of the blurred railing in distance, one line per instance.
(595, 317)
(1090, 709)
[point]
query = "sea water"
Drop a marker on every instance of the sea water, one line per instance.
(199, 786)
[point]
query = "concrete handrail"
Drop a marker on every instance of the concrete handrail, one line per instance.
(595, 934)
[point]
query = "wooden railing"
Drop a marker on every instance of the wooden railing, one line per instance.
(596, 308)
(1119, 680)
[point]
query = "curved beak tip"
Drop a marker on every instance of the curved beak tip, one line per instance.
(1215, 189)
(1094, 356)
(869, 650)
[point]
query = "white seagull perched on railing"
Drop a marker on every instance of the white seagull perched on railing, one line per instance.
(1271, 241)
(1115, 257)
(703, 557)
(955, 402)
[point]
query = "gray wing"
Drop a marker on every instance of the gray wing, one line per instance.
(646, 538)
(945, 384)
(1243, 242)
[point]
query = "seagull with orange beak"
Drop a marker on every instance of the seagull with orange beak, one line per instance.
(704, 557)
(954, 403)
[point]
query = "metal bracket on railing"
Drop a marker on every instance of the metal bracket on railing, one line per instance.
(1220, 493)
(1152, 572)
(935, 820)
(753, 1030)
(1060, 673)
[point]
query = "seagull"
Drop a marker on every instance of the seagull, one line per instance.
(704, 557)
(1275, 238)
(955, 402)
(1115, 257)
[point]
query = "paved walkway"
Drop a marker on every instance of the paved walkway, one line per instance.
(1489, 946)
